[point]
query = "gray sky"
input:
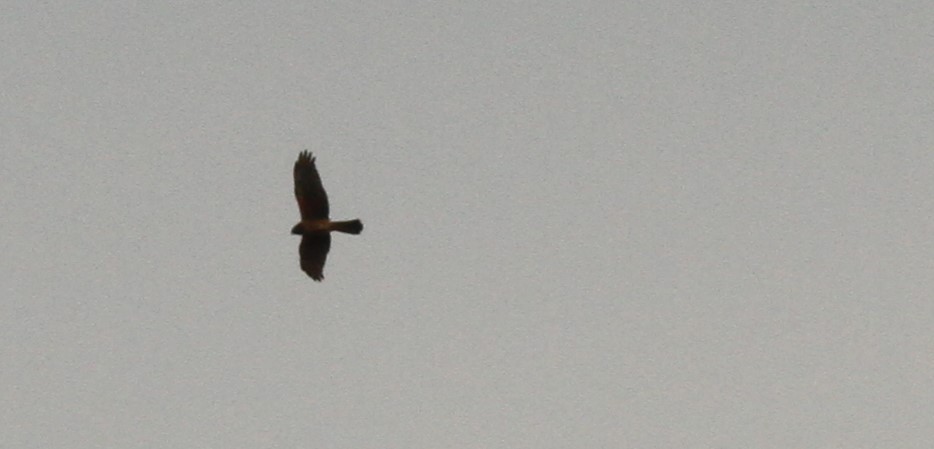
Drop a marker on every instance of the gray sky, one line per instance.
(588, 224)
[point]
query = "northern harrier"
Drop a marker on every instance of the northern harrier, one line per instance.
(315, 227)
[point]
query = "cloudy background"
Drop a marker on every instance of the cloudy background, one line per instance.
(588, 224)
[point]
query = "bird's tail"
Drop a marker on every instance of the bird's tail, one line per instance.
(350, 226)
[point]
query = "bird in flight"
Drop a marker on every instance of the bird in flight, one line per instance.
(316, 226)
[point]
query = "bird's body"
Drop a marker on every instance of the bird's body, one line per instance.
(316, 225)
(325, 226)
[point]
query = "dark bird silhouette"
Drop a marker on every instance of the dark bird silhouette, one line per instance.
(316, 225)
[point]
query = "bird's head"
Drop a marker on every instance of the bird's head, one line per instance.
(298, 229)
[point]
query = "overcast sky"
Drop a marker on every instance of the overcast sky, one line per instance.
(590, 224)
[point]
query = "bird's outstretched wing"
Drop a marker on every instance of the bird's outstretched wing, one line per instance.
(312, 199)
(313, 251)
